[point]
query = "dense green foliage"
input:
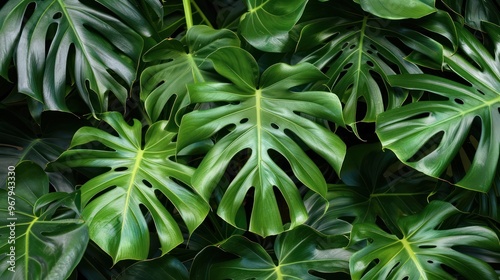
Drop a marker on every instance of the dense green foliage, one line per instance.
(263, 139)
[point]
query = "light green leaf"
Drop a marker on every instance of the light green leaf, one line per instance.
(45, 237)
(267, 22)
(298, 253)
(397, 9)
(137, 175)
(163, 82)
(444, 125)
(423, 249)
(84, 44)
(263, 116)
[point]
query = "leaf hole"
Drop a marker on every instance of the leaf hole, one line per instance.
(120, 169)
(419, 116)
(345, 45)
(428, 147)
(275, 126)
(57, 15)
(498, 110)
(370, 63)
(347, 66)
(282, 205)
(427, 246)
(459, 101)
(147, 183)
(244, 121)
(369, 51)
(372, 47)
(429, 261)
(352, 47)
(481, 92)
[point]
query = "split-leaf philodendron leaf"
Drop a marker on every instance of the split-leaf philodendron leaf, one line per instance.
(138, 175)
(423, 249)
(65, 42)
(445, 125)
(299, 253)
(42, 236)
(397, 9)
(263, 116)
(162, 82)
(267, 22)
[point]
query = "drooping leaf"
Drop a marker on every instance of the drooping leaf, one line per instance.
(165, 268)
(397, 9)
(474, 12)
(21, 140)
(299, 253)
(360, 52)
(423, 249)
(43, 236)
(84, 44)
(137, 175)
(163, 82)
(444, 125)
(263, 116)
(374, 185)
(267, 23)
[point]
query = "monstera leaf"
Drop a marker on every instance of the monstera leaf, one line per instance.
(423, 250)
(299, 253)
(84, 44)
(137, 175)
(20, 140)
(476, 11)
(264, 117)
(163, 82)
(166, 267)
(361, 51)
(267, 22)
(444, 124)
(43, 236)
(396, 9)
(374, 185)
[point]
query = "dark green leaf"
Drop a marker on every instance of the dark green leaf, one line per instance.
(163, 82)
(267, 22)
(474, 12)
(298, 253)
(49, 237)
(375, 185)
(164, 268)
(444, 125)
(83, 43)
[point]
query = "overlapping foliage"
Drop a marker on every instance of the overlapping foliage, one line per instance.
(258, 139)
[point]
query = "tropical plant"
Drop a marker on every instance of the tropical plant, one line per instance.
(265, 139)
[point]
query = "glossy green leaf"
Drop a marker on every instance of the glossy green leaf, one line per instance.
(444, 125)
(299, 253)
(361, 51)
(397, 9)
(162, 82)
(423, 249)
(165, 268)
(474, 12)
(374, 185)
(263, 115)
(45, 237)
(267, 22)
(68, 40)
(137, 174)
(22, 140)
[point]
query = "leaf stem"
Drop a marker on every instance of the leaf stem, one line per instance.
(205, 19)
(187, 13)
